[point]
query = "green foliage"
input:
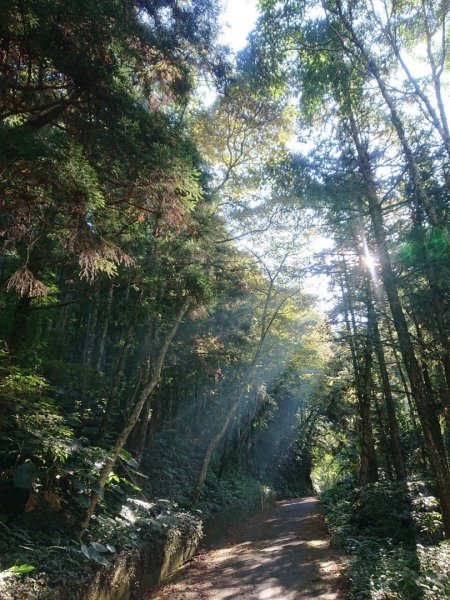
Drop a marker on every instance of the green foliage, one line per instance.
(21, 569)
(233, 491)
(434, 579)
(244, 132)
(35, 435)
(335, 455)
(383, 510)
(379, 527)
(379, 571)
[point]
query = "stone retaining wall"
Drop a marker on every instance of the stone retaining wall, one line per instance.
(135, 572)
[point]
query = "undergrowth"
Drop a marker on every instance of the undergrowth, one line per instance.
(38, 552)
(391, 533)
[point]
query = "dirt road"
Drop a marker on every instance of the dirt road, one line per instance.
(283, 554)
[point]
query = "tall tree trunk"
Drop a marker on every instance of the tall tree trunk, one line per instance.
(424, 403)
(118, 374)
(18, 336)
(409, 400)
(140, 430)
(89, 343)
(368, 470)
(213, 445)
(266, 323)
(397, 455)
(139, 434)
(104, 334)
(384, 440)
(144, 395)
(91, 327)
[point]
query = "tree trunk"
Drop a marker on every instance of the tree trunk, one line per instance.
(89, 343)
(409, 400)
(17, 338)
(139, 434)
(104, 334)
(211, 448)
(145, 394)
(118, 374)
(368, 471)
(384, 440)
(424, 403)
(266, 323)
(89, 339)
(397, 455)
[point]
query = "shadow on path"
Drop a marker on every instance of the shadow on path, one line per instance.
(283, 554)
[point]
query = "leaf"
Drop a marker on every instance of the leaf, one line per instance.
(125, 455)
(128, 458)
(23, 475)
(20, 569)
(111, 548)
(101, 560)
(83, 500)
(98, 490)
(85, 551)
(113, 477)
(99, 547)
(134, 487)
(53, 500)
(31, 504)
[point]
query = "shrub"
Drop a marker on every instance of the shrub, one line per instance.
(378, 527)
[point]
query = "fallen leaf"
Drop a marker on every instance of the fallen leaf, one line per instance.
(31, 504)
(53, 500)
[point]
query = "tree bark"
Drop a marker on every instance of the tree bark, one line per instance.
(104, 334)
(384, 440)
(409, 399)
(368, 469)
(139, 434)
(145, 394)
(89, 339)
(118, 374)
(266, 323)
(424, 403)
(397, 455)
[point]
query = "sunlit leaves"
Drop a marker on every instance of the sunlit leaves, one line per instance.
(240, 134)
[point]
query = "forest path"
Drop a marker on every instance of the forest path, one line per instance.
(283, 554)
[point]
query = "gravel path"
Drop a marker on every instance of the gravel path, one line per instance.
(283, 554)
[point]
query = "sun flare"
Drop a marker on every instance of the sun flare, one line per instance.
(370, 261)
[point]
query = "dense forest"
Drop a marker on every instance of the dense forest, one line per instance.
(163, 357)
